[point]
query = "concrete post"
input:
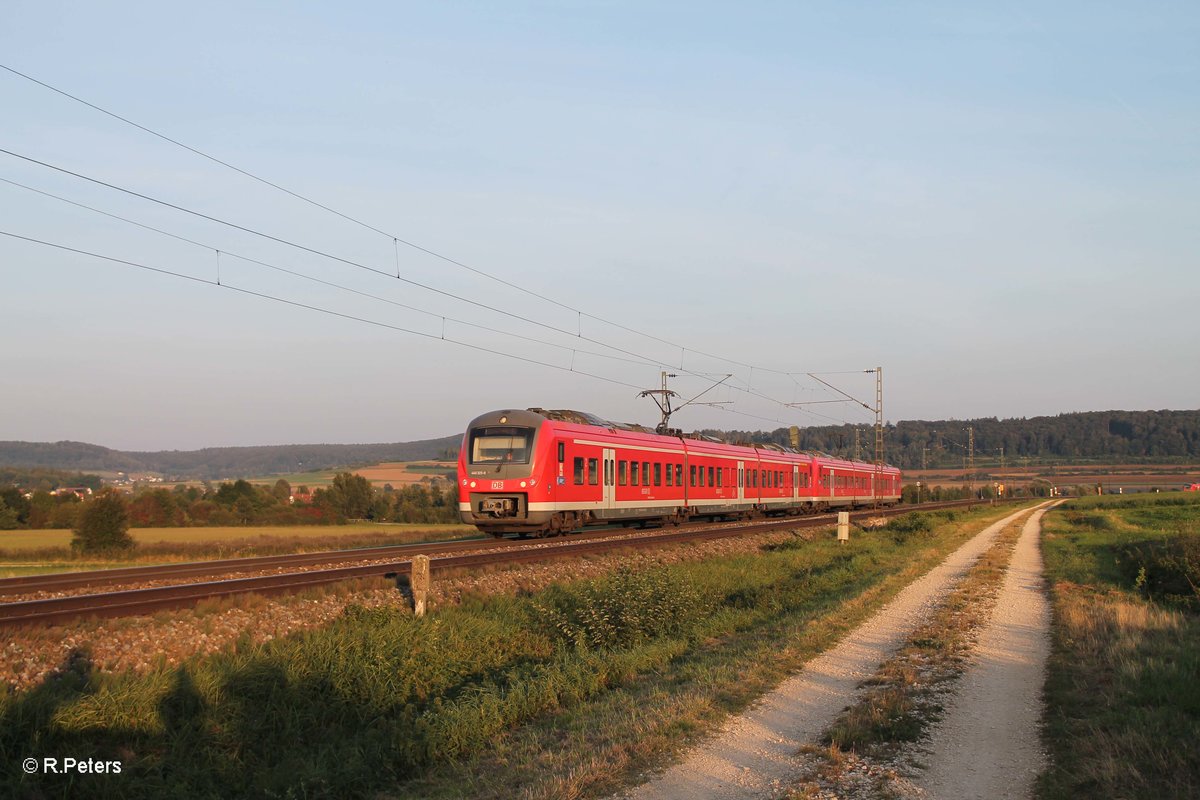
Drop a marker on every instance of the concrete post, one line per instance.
(843, 526)
(420, 584)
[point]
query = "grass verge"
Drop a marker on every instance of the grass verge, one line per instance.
(1123, 693)
(558, 693)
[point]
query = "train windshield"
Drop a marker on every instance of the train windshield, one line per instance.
(501, 445)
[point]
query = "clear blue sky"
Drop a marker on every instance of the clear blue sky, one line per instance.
(998, 203)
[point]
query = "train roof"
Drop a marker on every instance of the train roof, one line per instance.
(712, 444)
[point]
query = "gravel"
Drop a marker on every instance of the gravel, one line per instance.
(987, 744)
(755, 754)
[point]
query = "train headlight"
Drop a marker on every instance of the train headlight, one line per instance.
(472, 484)
(522, 484)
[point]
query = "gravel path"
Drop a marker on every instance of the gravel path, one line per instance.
(753, 756)
(987, 744)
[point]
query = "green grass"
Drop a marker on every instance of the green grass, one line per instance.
(1123, 692)
(550, 693)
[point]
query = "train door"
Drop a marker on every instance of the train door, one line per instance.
(609, 479)
(741, 494)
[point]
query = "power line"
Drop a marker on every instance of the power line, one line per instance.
(352, 317)
(330, 312)
(395, 239)
(323, 254)
(639, 356)
(323, 282)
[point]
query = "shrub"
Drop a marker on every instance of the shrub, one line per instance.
(1166, 570)
(103, 525)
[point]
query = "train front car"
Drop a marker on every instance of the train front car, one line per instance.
(500, 464)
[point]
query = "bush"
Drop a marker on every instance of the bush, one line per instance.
(905, 526)
(1166, 570)
(622, 611)
(103, 525)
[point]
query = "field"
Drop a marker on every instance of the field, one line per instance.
(25, 552)
(1113, 477)
(397, 473)
(1123, 692)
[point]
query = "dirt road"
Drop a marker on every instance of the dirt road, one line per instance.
(987, 744)
(753, 756)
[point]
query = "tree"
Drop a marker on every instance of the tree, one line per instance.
(103, 525)
(282, 490)
(350, 495)
(8, 517)
(155, 508)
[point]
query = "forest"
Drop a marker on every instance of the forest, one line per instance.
(1095, 436)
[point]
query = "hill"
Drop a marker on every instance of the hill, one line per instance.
(1100, 436)
(219, 462)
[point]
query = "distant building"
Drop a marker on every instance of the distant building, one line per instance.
(79, 491)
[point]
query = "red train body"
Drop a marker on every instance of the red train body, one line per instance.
(545, 472)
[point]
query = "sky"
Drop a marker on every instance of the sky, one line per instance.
(996, 203)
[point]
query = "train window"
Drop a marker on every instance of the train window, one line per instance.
(670, 475)
(635, 470)
(622, 472)
(700, 480)
(497, 445)
(645, 473)
(561, 452)
(593, 471)
(711, 482)
(692, 474)
(578, 471)
(720, 475)
(658, 474)
(679, 474)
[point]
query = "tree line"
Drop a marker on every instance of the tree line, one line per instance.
(1105, 436)
(233, 503)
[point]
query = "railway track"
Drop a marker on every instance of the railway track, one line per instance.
(385, 562)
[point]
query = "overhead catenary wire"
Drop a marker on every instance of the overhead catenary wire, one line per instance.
(349, 262)
(321, 253)
(351, 317)
(321, 281)
(395, 239)
(319, 309)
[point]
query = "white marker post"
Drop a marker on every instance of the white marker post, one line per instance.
(843, 526)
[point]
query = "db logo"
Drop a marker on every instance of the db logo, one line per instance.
(497, 484)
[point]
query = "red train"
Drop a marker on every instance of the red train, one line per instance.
(547, 472)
